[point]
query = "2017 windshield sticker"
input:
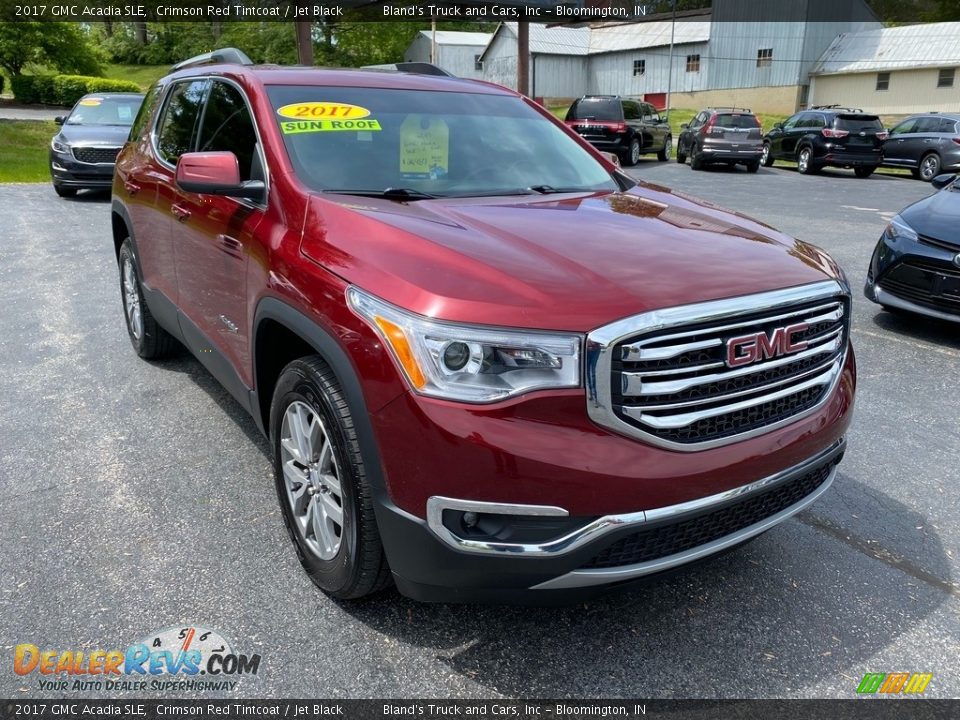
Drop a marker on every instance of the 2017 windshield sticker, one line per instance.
(292, 127)
(91, 102)
(323, 111)
(424, 147)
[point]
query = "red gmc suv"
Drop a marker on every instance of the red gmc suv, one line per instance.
(491, 366)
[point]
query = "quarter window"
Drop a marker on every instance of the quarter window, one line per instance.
(631, 111)
(177, 126)
(945, 77)
(227, 126)
(639, 67)
(883, 81)
(693, 63)
(764, 57)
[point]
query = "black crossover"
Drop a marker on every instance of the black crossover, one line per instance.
(628, 128)
(916, 265)
(827, 136)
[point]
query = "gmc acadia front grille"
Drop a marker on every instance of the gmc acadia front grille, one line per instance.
(95, 155)
(703, 375)
(692, 532)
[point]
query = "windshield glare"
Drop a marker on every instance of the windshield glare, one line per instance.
(444, 144)
(105, 111)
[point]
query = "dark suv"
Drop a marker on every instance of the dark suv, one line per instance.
(721, 135)
(827, 136)
(927, 144)
(488, 362)
(628, 128)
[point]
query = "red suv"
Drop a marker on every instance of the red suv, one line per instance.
(491, 366)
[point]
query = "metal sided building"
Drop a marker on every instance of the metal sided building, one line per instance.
(457, 52)
(892, 71)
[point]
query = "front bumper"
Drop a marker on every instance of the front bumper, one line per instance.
(68, 172)
(921, 277)
(591, 502)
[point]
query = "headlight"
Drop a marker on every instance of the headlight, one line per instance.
(469, 363)
(58, 145)
(897, 229)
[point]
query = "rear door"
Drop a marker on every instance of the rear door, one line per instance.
(214, 236)
(633, 117)
(924, 138)
(655, 132)
(896, 147)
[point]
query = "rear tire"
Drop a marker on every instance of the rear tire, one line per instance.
(664, 154)
(633, 154)
(149, 340)
(863, 172)
(696, 161)
(929, 167)
(805, 164)
(321, 483)
(753, 167)
(64, 192)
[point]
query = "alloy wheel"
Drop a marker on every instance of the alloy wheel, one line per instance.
(634, 152)
(765, 156)
(803, 161)
(929, 167)
(131, 299)
(312, 479)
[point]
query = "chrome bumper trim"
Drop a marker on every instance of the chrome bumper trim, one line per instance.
(887, 298)
(596, 529)
(585, 578)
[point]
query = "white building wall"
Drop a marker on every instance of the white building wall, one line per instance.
(455, 59)
(910, 91)
(557, 76)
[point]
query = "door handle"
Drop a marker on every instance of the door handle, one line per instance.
(181, 212)
(131, 188)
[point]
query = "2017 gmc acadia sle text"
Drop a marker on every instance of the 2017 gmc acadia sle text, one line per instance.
(492, 367)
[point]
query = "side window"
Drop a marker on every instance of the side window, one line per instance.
(650, 113)
(815, 120)
(177, 125)
(700, 119)
(227, 126)
(143, 116)
(793, 122)
(631, 111)
(905, 127)
(927, 125)
(949, 126)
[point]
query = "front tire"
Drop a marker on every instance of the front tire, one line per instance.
(664, 154)
(149, 340)
(321, 483)
(766, 158)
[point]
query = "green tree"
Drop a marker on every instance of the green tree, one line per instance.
(60, 45)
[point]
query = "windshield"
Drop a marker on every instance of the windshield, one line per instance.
(105, 110)
(440, 144)
(601, 109)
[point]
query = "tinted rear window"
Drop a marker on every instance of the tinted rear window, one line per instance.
(736, 121)
(603, 110)
(858, 123)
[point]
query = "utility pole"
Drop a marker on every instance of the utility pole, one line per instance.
(523, 57)
(433, 39)
(304, 38)
(673, 26)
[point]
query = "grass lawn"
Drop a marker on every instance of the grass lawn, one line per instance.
(143, 75)
(23, 150)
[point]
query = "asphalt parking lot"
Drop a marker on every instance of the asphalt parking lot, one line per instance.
(138, 496)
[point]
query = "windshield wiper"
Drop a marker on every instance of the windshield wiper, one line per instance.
(390, 193)
(550, 189)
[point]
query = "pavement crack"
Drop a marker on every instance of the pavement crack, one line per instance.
(878, 552)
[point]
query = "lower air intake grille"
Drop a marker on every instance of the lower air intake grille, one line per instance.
(667, 540)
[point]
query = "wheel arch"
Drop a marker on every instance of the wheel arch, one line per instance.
(122, 228)
(281, 334)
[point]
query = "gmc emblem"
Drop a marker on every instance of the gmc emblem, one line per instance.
(759, 346)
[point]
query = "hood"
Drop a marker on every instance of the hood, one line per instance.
(937, 216)
(95, 135)
(558, 262)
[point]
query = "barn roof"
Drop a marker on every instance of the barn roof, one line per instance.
(896, 48)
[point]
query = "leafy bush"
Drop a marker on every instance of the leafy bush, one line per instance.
(1, 84)
(64, 89)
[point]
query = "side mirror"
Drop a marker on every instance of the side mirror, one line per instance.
(778, 126)
(941, 181)
(612, 157)
(684, 126)
(60, 119)
(216, 173)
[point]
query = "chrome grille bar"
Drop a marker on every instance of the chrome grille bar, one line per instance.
(669, 376)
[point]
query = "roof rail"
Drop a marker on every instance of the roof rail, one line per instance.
(734, 109)
(223, 55)
(836, 107)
